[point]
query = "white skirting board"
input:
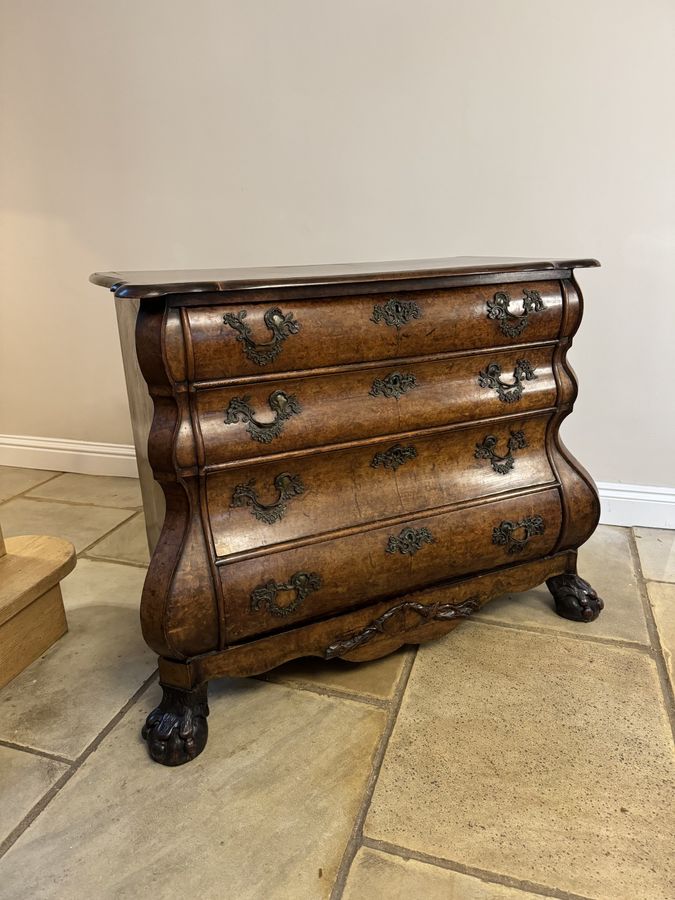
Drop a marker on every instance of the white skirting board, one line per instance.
(637, 504)
(60, 455)
(622, 504)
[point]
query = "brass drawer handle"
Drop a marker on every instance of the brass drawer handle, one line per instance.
(394, 457)
(511, 324)
(409, 541)
(282, 405)
(501, 464)
(505, 533)
(507, 393)
(394, 385)
(302, 583)
(279, 323)
(396, 312)
(287, 485)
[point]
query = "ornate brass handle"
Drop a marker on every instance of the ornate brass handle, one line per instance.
(507, 393)
(409, 541)
(280, 324)
(287, 485)
(393, 457)
(501, 464)
(505, 533)
(302, 583)
(511, 324)
(394, 385)
(396, 312)
(431, 612)
(282, 405)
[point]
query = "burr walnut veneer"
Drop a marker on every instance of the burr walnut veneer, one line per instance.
(352, 458)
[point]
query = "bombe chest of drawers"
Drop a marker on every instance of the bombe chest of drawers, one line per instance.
(352, 458)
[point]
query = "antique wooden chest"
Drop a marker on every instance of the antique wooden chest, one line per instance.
(352, 458)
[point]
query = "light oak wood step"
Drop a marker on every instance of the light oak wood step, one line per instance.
(32, 616)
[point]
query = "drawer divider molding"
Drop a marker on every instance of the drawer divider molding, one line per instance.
(213, 383)
(323, 537)
(380, 439)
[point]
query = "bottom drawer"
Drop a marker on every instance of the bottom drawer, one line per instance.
(275, 591)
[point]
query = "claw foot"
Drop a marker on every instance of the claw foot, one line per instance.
(176, 730)
(574, 598)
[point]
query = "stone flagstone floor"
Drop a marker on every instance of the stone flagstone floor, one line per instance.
(521, 756)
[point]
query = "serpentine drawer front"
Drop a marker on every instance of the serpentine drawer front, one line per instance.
(274, 502)
(400, 556)
(346, 459)
(254, 339)
(257, 419)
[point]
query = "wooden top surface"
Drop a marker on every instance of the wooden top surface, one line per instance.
(146, 285)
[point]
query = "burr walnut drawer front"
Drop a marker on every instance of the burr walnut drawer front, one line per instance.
(277, 590)
(284, 500)
(256, 338)
(258, 419)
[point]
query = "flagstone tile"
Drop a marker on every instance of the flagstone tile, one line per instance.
(62, 701)
(24, 779)
(265, 812)
(129, 543)
(81, 525)
(94, 490)
(377, 678)
(14, 480)
(656, 549)
(607, 563)
(662, 600)
(381, 876)
(538, 757)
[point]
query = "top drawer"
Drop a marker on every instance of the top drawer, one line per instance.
(250, 339)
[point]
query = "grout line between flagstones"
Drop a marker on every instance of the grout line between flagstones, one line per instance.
(324, 691)
(82, 554)
(655, 637)
(107, 533)
(356, 839)
(135, 514)
(47, 798)
(572, 635)
(112, 559)
(65, 502)
(45, 754)
(31, 488)
(483, 874)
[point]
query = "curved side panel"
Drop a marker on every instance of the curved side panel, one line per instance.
(579, 495)
(580, 501)
(179, 608)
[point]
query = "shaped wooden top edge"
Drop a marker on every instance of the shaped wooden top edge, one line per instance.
(152, 284)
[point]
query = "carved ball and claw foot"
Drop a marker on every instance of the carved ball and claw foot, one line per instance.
(176, 730)
(574, 598)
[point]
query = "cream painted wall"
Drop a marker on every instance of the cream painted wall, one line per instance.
(158, 133)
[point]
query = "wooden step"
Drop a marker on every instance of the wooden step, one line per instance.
(32, 616)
